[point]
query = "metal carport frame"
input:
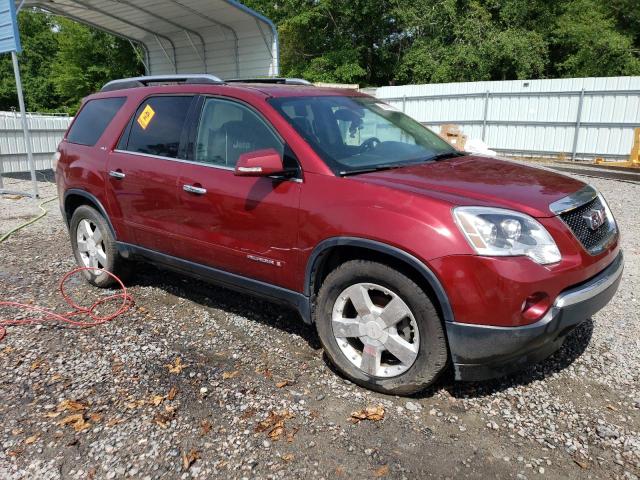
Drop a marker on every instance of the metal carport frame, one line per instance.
(221, 37)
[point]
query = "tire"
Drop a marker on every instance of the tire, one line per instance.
(421, 349)
(87, 222)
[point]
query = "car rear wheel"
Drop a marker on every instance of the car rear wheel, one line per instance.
(379, 328)
(94, 246)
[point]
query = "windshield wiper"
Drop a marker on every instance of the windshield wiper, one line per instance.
(443, 156)
(377, 168)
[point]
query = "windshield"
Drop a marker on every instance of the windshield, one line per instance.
(354, 134)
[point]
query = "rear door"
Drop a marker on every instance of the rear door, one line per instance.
(243, 225)
(143, 172)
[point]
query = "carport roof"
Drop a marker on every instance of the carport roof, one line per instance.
(221, 37)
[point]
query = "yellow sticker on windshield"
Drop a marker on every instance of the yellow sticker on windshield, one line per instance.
(145, 117)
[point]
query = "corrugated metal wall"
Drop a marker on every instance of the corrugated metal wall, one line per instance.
(46, 133)
(580, 117)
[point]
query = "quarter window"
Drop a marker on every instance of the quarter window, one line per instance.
(93, 119)
(157, 126)
(227, 130)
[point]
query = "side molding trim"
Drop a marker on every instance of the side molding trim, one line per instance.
(230, 280)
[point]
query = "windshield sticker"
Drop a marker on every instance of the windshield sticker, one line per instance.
(145, 117)
(387, 107)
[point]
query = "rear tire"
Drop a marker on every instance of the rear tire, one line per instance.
(94, 245)
(397, 350)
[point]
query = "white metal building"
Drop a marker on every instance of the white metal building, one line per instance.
(221, 37)
(579, 118)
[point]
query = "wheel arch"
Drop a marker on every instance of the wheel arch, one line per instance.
(333, 251)
(74, 198)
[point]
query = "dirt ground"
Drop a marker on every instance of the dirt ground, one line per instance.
(201, 382)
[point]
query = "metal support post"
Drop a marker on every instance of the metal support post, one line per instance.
(25, 126)
(576, 133)
(484, 115)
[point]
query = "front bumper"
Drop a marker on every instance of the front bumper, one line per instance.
(481, 352)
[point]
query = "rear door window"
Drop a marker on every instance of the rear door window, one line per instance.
(93, 119)
(157, 126)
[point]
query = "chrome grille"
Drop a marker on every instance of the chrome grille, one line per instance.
(594, 241)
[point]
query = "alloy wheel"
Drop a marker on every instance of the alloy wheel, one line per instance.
(375, 330)
(90, 244)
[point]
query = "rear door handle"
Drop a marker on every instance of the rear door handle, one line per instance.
(194, 189)
(117, 174)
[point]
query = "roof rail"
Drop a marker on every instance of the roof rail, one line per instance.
(275, 80)
(134, 82)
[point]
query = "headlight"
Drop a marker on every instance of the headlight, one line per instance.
(505, 233)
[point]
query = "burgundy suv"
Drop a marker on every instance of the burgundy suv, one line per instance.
(406, 254)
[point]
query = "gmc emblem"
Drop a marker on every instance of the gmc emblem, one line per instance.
(595, 218)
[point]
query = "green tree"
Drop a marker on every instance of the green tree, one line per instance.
(586, 43)
(336, 41)
(86, 59)
(39, 45)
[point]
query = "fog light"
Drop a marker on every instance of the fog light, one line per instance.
(535, 306)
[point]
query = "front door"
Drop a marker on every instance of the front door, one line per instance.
(143, 173)
(243, 225)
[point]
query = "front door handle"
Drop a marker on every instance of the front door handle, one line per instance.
(117, 174)
(194, 189)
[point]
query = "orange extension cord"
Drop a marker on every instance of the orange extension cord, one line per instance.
(67, 318)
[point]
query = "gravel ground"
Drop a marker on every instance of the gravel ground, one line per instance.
(200, 382)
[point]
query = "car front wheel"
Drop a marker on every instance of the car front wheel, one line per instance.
(379, 328)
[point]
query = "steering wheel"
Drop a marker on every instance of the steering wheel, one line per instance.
(370, 144)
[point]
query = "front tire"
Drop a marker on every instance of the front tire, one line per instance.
(379, 328)
(93, 245)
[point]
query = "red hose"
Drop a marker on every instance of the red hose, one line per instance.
(66, 318)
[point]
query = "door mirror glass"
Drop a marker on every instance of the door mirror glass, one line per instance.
(259, 163)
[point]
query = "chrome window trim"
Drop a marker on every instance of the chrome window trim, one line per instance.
(575, 200)
(179, 160)
(217, 167)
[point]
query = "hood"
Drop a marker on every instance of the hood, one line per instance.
(475, 180)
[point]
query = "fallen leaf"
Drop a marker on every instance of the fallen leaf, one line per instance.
(206, 427)
(15, 453)
(164, 419)
(70, 406)
(76, 421)
(283, 383)
(287, 457)
(581, 464)
(273, 419)
(276, 432)
(228, 375)
(114, 421)
(340, 471)
(31, 439)
(95, 417)
(56, 377)
(382, 471)
(172, 393)
(177, 366)
(37, 364)
(374, 413)
(156, 400)
(292, 434)
(189, 458)
(611, 407)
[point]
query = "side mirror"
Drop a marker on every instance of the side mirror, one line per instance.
(259, 163)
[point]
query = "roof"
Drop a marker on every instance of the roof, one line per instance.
(221, 37)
